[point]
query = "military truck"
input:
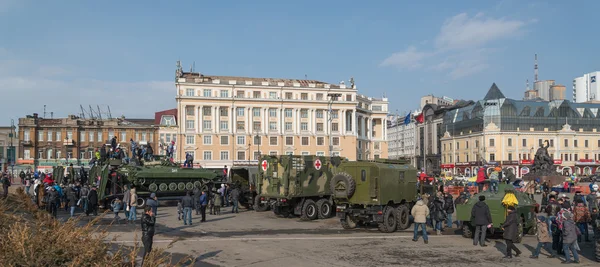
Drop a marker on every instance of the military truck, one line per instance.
(298, 185)
(380, 191)
(525, 210)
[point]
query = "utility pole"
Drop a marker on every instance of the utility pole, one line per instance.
(12, 154)
(332, 97)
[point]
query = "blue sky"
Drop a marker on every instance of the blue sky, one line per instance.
(123, 53)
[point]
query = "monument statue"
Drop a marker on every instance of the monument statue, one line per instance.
(543, 166)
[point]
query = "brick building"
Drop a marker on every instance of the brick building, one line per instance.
(50, 142)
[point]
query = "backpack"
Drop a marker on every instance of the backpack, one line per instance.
(578, 199)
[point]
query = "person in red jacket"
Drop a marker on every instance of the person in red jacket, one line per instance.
(480, 179)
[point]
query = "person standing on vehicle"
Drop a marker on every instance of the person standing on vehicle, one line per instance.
(511, 234)
(203, 201)
(480, 179)
(420, 211)
(449, 208)
(188, 204)
(148, 221)
(132, 205)
(481, 218)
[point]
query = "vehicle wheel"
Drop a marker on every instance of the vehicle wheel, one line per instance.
(197, 184)
(259, 206)
(141, 181)
(390, 220)
(348, 222)
(309, 210)
(153, 187)
(277, 211)
(181, 186)
(141, 203)
(324, 208)
(342, 185)
(466, 230)
(403, 217)
(189, 186)
(163, 187)
(520, 231)
(172, 186)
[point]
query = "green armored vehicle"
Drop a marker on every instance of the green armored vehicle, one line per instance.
(166, 179)
(380, 191)
(296, 185)
(525, 210)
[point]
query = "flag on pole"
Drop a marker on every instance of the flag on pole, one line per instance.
(407, 119)
(419, 118)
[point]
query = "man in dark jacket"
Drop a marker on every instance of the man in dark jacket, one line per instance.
(152, 202)
(148, 221)
(480, 218)
(197, 194)
(511, 232)
(449, 207)
(203, 201)
(437, 214)
(103, 153)
(53, 199)
(113, 143)
(235, 197)
(93, 202)
(187, 203)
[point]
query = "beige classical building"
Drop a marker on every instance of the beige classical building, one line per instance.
(226, 120)
(499, 131)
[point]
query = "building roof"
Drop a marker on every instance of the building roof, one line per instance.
(494, 93)
(158, 115)
(196, 77)
(147, 122)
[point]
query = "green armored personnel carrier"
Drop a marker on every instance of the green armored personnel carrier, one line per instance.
(381, 191)
(296, 185)
(525, 209)
(164, 178)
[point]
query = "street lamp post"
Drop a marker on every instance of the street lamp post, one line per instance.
(332, 97)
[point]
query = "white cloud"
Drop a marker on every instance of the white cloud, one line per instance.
(462, 45)
(27, 86)
(408, 59)
(462, 32)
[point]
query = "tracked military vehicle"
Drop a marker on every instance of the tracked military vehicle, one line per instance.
(525, 208)
(164, 178)
(381, 191)
(297, 185)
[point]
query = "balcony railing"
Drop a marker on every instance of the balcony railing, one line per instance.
(27, 143)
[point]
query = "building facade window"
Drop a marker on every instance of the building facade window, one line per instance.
(224, 93)
(224, 125)
(240, 112)
(49, 139)
(207, 111)
(273, 140)
(304, 126)
(256, 126)
(289, 141)
(289, 96)
(319, 114)
(207, 139)
(189, 140)
(207, 125)
(320, 141)
(189, 124)
(241, 140)
(207, 155)
(207, 93)
(335, 127)
(335, 141)
(288, 126)
(304, 113)
(240, 125)
(492, 157)
(256, 112)
(123, 136)
(492, 142)
(273, 95)
(190, 92)
(319, 127)
(241, 155)
(223, 112)
(305, 141)
(272, 126)
(224, 140)
(224, 155)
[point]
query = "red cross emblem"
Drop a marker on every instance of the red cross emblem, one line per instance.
(265, 165)
(318, 164)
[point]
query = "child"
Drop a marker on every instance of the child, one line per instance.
(217, 204)
(544, 239)
(179, 210)
(116, 207)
